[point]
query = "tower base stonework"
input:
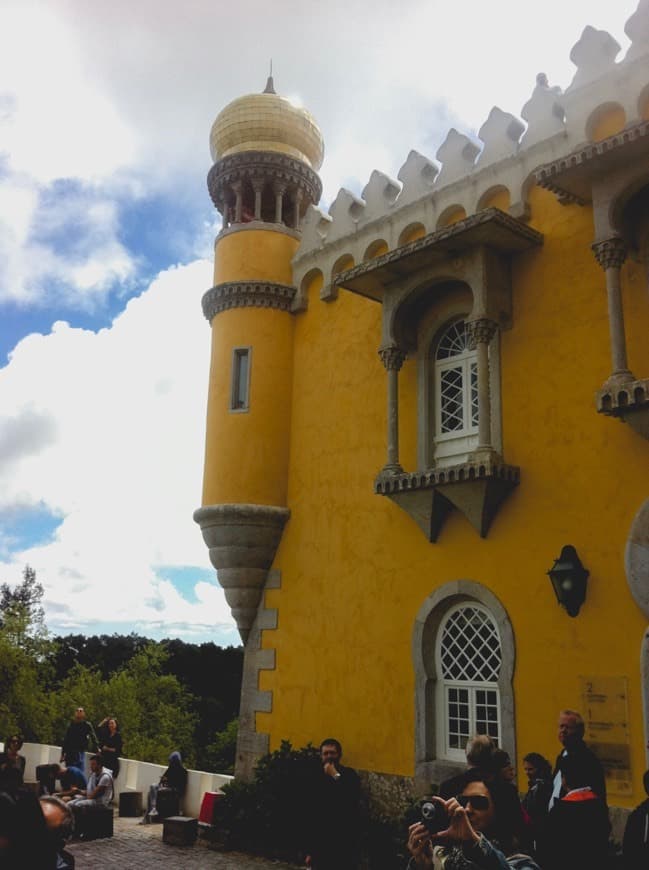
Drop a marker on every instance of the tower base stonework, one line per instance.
(242, 540)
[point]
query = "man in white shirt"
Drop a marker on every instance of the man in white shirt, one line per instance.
(100, 787)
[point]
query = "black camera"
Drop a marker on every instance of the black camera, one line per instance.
(433, 816)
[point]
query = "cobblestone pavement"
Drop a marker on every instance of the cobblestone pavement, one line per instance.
(140, 847)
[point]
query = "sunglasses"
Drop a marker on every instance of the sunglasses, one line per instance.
(477, 801)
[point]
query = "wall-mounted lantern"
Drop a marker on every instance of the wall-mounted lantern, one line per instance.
(569, 578)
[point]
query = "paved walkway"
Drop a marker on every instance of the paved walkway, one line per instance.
(140, 847)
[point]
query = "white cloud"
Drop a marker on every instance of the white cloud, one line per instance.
(112, 428)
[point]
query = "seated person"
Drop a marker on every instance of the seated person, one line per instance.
(12, 764)
(476, 831)
(59, 821)
(99, 791)
(72, 779)
(174, 778)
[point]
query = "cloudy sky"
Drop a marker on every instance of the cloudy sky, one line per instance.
(106, 231)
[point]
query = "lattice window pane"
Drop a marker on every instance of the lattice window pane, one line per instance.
(474, 394)
(453, 342)
(458, 720)
(486, 712)
(470, 647)
(452, 400)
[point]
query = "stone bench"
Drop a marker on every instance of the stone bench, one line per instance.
(179, 831)
(93, 823)
(130, 804)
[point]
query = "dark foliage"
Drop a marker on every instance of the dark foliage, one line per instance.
(265, 816)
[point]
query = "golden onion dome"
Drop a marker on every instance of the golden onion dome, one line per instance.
(267, 122)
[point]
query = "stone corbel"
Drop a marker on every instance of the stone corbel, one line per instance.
(475, 489)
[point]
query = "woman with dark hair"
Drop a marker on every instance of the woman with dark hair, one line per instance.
(539, 791)
(12, 764)
(110, 744)
(478, 831)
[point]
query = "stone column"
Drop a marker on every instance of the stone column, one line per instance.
(392, 358)
(226, 208)
(279, 201)
(480, 332)
(299, 195)
(258, 186)
(610, 255)
(238, 205)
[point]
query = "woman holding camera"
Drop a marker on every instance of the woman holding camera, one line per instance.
(472, 830)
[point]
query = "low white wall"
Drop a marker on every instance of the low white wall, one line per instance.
(133, 775)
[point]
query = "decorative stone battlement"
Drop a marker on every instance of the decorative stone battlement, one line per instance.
(468, 174)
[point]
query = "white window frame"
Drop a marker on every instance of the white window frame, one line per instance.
(454, 446)
(240, 405)
(443, 684)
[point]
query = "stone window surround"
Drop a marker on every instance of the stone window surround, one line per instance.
(238, 354)
(436, 320)
(429, 768)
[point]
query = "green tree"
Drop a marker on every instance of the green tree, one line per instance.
(219, 756)
(24, 668)
(152, 708)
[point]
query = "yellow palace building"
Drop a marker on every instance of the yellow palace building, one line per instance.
(426, 488)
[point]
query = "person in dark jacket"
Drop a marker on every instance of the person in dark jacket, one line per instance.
(571, 736)
(79, 739)
(334, 810)
(578, 826)
(635, 845)
(110, 744)
(12, 764)
(539, 788)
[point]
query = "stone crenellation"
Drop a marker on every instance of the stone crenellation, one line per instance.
(467, 175)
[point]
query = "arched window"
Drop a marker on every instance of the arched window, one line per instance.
(456, 394)
(468, 660)
(464, 658)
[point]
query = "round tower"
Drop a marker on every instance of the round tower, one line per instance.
(266, 155)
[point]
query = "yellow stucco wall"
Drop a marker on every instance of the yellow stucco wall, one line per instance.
(355, 568)
(246, 453)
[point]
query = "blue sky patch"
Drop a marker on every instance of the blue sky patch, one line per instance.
(185, 578)
(25, 527)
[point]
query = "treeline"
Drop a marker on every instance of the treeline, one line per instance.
(167, 695)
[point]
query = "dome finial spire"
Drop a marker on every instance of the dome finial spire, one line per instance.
(270, 86)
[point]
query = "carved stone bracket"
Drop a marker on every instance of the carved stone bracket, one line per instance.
(480, 331)
(628, 401)
(475, 489)
(392, 357)
(611, 253)
(246, 294)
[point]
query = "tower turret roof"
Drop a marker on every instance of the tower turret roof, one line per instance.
(267, 122)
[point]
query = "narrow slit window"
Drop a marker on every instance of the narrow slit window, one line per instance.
(240, 399)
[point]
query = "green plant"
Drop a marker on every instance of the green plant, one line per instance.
(264, 815)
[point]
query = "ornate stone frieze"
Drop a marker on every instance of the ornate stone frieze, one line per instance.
(610, 253)
(480, 331)
(253, 166)
(491, 218)
(392, 357)
(476, 489)
(247, 294)
(569, 177)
